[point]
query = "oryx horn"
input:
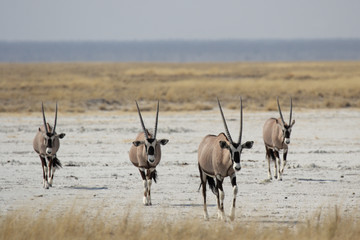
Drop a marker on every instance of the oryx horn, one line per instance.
(290, 110)
(42, 108)
(156, 119)
(241, 120)
(141, 120)
(56, 110)
(225, 125)
(282, 118)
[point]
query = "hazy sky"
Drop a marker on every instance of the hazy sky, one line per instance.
(178, 19)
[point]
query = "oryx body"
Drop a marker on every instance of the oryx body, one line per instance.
(46, 143)
(145, 154)
(276, 136)
(218, 158)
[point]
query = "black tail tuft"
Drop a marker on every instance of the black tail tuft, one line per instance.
(56, 163)
(154, 175)
(212, 185)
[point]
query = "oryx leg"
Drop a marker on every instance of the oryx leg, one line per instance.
(143, 176)
(278, 160)
(220, 197)
(50, 167)
(284, 161)
(269, 158)
(45, 170)
(149, 175)
(203, 180)
(235, 190)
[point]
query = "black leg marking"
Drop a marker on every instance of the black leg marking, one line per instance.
(142, 175)
(219, 201)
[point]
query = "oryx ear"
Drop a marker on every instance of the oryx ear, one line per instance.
(293, 122)
(248, 144)
(223, 144)
(61, 135)
(138, 143)
(164, 141)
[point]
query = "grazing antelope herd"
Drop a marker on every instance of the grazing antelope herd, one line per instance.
(218, 155)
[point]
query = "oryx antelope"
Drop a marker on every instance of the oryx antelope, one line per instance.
(219, 157)
(145, 154)
(276, 135)
(46, 143)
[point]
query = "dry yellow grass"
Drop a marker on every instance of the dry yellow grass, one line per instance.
(77, 224)
(80, 87)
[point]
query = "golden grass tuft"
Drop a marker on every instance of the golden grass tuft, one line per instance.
(81, 87)
(77, 223)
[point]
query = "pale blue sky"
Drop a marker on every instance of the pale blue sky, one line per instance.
(93, 20)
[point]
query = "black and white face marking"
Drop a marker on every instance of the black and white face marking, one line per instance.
(235, 150)
(235, 153)
(49, 139)
(286, 131)
(150, 145)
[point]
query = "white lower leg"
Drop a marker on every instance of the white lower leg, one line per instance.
(52, 176)
(221, 214)
(145, 192)
(46, 183)
(269, 170)
(149, 182)
(279, 169)
(276, 169)
(232, 211)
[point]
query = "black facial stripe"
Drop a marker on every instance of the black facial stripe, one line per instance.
(287, 134)
(49, 143)
(236, 157)
(151, 140)
(151, 150)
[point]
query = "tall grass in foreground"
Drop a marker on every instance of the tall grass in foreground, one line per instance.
(78, 225)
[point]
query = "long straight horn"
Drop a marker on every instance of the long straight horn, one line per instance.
(282, 118)
(225, 125)
(42, 108)
(156, 119)
(56, 110)
(290, 110)
(241, 120)
(141, 120)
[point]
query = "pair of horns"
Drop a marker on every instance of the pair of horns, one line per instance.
(142, 122)
(282, 118)
(46, 129)
(225, 125)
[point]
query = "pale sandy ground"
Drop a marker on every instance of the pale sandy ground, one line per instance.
(323, 166)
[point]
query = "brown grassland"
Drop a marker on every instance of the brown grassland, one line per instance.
(75, 223)
(82, 87)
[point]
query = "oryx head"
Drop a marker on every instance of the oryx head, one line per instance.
(150, 142)
(50, 136)
(234, 148)
(286, 128)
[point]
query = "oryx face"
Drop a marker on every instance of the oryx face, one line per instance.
(235, 150)
(49, 139)
(150, 147)
(286, 131)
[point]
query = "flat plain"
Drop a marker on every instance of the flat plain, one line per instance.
(98, 184)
